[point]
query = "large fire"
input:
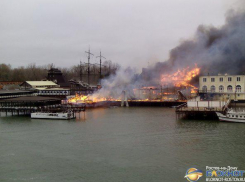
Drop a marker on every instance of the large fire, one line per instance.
(182, 78)
(87, 99)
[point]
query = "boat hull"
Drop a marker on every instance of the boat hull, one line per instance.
(223, 117)
(62, 116)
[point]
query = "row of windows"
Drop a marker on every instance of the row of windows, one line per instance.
(54, 92)
(83, 92)
(221, 88)
(235, 116)
(221, 79)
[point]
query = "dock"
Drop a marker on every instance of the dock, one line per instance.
(27, 105)
(196, 109)
(155, 103)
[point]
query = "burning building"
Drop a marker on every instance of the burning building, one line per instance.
(212, 50)
(167, 90)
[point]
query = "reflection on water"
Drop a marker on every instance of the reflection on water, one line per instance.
(116, 144)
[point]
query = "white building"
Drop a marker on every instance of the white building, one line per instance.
(27, 85)
(45, 88)
(223, 87)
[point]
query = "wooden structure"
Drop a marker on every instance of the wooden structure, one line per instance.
(5, 94)
(27, 105)
(182, 111)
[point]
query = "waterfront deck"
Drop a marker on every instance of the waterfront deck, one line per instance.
(183, 111)
(28, 105)
(155, 103)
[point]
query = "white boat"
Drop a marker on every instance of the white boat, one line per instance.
(42, 115)
(232, 116)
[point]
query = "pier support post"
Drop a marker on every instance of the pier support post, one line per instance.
(124, 99)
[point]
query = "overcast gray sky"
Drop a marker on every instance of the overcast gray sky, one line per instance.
(129, 32)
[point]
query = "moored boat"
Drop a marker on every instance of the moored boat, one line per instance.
(232, 116)
(43, 115)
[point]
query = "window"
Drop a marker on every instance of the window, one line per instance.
(212, 88)
(221, 88)
(238, 79)
(212, 79)
(204, 88)
(229, 88)
(204, 79)
(221, 79)
(229, 79)
(238, 88)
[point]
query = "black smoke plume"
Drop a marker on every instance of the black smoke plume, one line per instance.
(214, 49)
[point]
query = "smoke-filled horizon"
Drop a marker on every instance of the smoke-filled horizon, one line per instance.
(213, 49)
(133, 33)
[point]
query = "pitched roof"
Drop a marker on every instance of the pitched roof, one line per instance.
(41, 83)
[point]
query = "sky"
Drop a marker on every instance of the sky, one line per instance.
(134, 33)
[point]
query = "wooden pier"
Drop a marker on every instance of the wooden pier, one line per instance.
(28, 105)
(183, 111)
(155, 103)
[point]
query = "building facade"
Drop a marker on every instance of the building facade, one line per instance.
(79, 87)
(56, 76)
(54, 92)
(46, 88)
(222, 87)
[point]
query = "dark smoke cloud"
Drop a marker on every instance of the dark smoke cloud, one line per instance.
(214, 49)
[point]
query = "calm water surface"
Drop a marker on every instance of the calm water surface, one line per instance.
(116, 145)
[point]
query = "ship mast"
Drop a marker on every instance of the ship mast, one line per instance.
(89, 53)
(100, 56)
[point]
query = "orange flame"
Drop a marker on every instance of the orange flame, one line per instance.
(88, 99)
(181, 78)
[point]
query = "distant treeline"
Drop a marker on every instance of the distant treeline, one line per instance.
(32, 72)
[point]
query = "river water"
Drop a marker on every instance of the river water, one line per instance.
(116, 145)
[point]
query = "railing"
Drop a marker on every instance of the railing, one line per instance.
(49, 108)
(208, 109)
(179, 107)
(13, 96)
